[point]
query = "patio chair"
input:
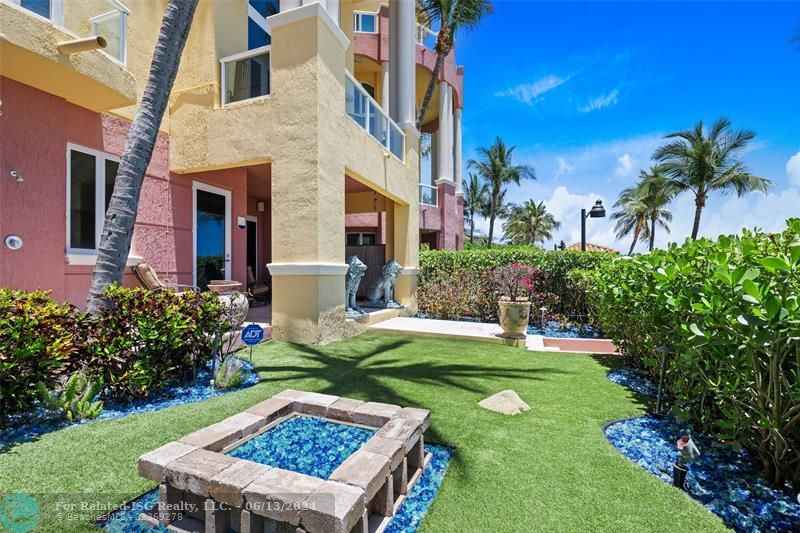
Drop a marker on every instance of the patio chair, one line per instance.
(150, 280)
(258, 290)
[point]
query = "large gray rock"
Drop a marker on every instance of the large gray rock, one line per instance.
(505, 402)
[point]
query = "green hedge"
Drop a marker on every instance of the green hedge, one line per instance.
(730, 311)
(457, 283)
(142, 341)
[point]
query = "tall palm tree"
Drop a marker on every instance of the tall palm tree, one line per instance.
(530, 223)
(451, 16)
(632, 216)
(475, 199)
(656, 194)
(497, 170)
(115, 242)
(704, 161)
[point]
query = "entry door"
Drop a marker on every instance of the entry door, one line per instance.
(212, 234)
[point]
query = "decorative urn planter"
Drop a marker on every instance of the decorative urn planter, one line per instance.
(514, 316)
(223, 285)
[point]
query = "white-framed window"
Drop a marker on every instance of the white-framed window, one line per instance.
(113, 27)
(90, 183)
(365, 22)
(361, 239)
(49, 9)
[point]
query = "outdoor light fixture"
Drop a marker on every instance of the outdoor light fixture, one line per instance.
(597, 211)
(260, 207)
(689, 453)
(17, 176)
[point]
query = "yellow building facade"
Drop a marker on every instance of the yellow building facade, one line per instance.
(273, 145)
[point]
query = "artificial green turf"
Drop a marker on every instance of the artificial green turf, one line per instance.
(550, 469)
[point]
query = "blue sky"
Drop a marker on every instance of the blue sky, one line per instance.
(586, 90)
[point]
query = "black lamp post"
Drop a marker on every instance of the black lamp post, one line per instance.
(597, 211)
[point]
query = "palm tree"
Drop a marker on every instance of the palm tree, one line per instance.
(631, 215)
(656, 194)
(115, 242)
(475, 199)
(451, 16)
(703, 162)
(497, 171)
(530, 223)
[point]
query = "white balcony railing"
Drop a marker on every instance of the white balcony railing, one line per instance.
(245, 75)
(426, 36)
(106, 18)
(428, 194)
(369, 115)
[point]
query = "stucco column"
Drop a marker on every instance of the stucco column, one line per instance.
(457, 150)
(385, 85)
(434, 157)
(308, 208)
(402, 52)
(444, 158)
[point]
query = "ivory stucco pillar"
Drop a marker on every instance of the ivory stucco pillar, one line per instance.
(308, 211)
(457, 151)
(444, 159)
(402, 61)
(385, 85)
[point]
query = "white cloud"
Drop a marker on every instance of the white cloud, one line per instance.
(793, 169)
(564, 168)
(600, 102)
(566, 208)
(528, 93)
(624, 165)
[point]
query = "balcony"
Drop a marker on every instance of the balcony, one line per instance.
(32, 35)
(428, 194)
(366, 112)
(245, 75)
(426, 37)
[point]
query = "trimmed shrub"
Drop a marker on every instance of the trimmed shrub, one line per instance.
(459, 283)
(730, 311)
(146, 340)
(40, 342)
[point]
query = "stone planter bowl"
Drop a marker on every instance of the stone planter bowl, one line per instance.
(514, 318)
(223, 285)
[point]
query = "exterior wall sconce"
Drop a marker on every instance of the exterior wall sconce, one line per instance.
(17, 176)
(260, 207)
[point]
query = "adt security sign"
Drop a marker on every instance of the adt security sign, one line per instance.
(252, 334)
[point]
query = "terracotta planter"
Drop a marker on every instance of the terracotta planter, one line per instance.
(514, 318)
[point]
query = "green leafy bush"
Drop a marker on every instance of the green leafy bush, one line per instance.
(145, 340)
(458, 283)
(730, 311)
(76, 400)
(40, 341)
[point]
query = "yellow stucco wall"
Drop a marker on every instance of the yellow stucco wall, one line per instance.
(29, 55)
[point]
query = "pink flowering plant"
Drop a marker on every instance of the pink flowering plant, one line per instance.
(515, 282)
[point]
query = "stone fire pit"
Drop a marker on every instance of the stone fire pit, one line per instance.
(203, 489)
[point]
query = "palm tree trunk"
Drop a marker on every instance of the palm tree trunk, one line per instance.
(491, 224)
(115, 241)
(635, 239)
(472, 227)
(423, 108)
(699, 202)
(652, 232)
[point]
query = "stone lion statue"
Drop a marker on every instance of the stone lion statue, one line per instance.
(381, 293)
(355, 272)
